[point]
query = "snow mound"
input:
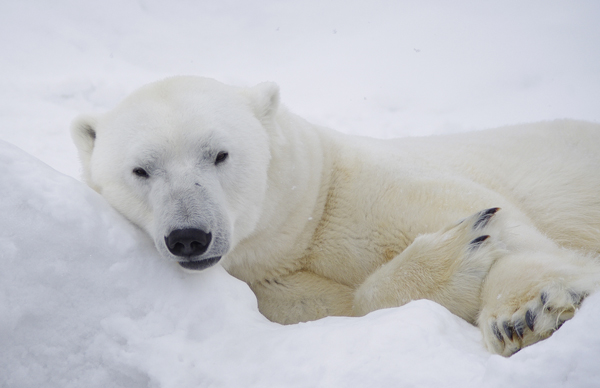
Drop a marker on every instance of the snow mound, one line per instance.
(85, 301)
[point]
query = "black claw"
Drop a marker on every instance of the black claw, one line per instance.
(497, 332)
(530, 319)
(577, 297)
(478, 241)
(484, 217)
(508, 329)
(544, 298)
(519, 327)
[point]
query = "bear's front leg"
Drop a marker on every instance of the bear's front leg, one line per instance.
(448, 267)
(528, 295)
(302, 296)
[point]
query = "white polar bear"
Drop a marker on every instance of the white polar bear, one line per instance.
(319, 223)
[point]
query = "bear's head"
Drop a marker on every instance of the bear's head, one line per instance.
(186, 159)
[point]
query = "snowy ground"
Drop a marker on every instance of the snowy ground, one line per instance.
(84, 299)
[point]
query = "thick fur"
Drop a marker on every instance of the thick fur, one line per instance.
(502, 227)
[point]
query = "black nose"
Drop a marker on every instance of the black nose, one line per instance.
(188, 242)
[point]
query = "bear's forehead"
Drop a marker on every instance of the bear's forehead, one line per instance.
(185, 109)
(174, 116)
(184, 93)
(164, 151)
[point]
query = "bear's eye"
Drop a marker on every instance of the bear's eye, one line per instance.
(221, 156)
(138, 171)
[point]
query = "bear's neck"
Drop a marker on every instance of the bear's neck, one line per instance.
(299, 177)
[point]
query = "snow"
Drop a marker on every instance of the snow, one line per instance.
(85, 301)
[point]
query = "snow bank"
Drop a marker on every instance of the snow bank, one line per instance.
(85, 301)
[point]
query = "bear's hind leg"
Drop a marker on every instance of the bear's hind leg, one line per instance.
(528, 296)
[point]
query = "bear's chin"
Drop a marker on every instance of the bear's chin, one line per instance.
(199, 265)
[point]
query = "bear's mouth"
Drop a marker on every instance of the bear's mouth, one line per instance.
(199, 265)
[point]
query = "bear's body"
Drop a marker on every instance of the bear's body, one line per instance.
(319, 223)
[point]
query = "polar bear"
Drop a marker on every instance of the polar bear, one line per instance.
(502, 227)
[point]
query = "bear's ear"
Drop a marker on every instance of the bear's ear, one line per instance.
(83, 132)
(265, 99)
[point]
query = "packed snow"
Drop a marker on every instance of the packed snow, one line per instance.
(85, 300)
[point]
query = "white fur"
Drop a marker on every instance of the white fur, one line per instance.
(318, 223)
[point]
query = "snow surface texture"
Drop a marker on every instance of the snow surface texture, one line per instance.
(85, 301)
